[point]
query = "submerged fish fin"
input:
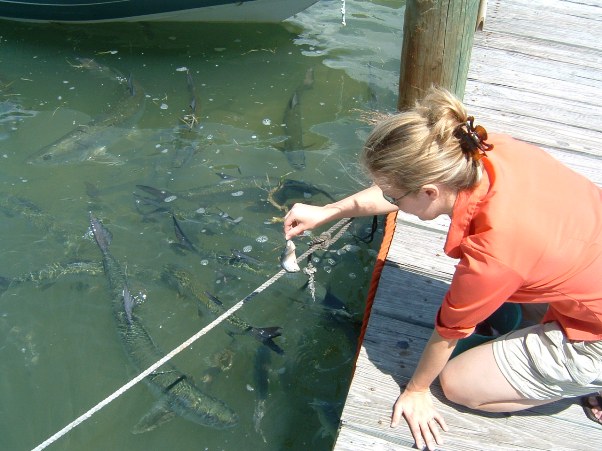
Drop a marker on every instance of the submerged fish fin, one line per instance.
(159, 194)
(266, 335)
(159, 414)
(266, 332)
(181, 237)
(214, 299)
(273, 346)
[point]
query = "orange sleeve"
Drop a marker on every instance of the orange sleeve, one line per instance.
(480, 285)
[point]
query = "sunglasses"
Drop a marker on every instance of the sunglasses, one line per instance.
(394, 200)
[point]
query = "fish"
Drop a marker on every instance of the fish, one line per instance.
(192, 91)
(159, 201)
(299, 186)
(329, 417)
(225, 178)
(288, 259)
(183, 155)
(183, 240)
(191, 119)
(206, 192)
(21, 207)
(5, 284)
(261, 379)
(289, 191)
(177, 394)
(11, 110)
(183, 282)
(158, 194)
(240, 257)
(15, 206)
(89, 142)
(292, 121)
(309, 80)
(54, 271)
(372, 89)
(229, 219)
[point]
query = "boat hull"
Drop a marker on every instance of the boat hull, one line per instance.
(90, 11)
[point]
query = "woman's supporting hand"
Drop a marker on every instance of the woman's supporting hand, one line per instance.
(415, 403)
(424, 421)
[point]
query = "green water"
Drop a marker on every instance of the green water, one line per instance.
(60, 353)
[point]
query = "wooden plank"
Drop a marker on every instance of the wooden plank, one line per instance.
(553, 21)
(540, 53)
(565, 143)
(572, 105)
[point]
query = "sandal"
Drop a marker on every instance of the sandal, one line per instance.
(588, 404)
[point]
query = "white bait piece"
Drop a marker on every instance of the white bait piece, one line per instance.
(288, 259)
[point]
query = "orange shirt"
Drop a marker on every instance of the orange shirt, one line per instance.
(530, 232)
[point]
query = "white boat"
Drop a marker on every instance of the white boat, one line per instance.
(89, 11)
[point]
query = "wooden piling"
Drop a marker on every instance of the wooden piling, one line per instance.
(437, 43)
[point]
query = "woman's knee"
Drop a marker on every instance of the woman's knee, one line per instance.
(456, 384)
(451, 383)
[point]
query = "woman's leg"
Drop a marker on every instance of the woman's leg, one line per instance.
(474, 380)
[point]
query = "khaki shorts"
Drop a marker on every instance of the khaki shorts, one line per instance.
(541, 363)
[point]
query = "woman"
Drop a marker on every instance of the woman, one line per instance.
(525, 229)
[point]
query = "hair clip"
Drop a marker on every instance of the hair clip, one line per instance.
(472, 139)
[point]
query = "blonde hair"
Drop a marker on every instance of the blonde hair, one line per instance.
(416, 147)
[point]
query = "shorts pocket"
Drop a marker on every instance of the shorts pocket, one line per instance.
(584, 363)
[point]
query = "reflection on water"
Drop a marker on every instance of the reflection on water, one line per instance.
(188, 142)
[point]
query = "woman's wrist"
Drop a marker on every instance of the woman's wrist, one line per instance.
(417, 388)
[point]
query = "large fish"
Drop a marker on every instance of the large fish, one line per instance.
(288, 192)
(21, 207)
(52, 272)
(181, 280)
(176, 391)
(14, 206)
(11, 111)
(90, 142)
(261, 378)
(293, 146)
(183, 241)
(192, 91)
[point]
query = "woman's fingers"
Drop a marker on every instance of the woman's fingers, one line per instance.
(435, 433)
(397, 413)
(425, 424)
(441, 421)
(427, 433)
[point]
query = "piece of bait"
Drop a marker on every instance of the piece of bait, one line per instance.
(288, 259)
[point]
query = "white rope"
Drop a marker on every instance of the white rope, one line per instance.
(343, 12)
(344, 224)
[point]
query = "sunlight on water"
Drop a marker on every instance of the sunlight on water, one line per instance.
(188, 142)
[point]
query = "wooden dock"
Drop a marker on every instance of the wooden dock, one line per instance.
(535, 73)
